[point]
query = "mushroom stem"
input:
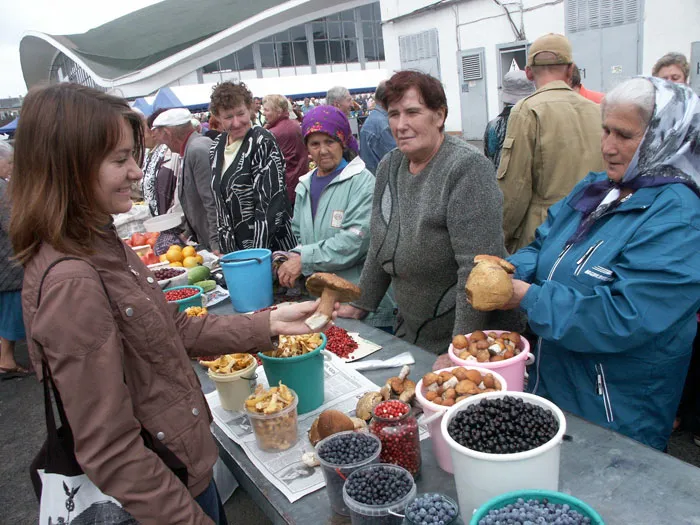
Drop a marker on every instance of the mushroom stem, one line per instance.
(324, 311)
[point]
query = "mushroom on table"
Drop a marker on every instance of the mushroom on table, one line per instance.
(331, 289)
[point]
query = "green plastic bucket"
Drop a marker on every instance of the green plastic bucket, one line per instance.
(303, 374)
(552, 497)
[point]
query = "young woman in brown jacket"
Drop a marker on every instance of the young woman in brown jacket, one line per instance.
(117, 352)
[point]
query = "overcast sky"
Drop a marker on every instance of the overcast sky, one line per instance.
(49, 16)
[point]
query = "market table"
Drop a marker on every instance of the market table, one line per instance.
(626, 482)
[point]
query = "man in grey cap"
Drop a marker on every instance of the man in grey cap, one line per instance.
(174, 129)
(552, 142)
(516, 86)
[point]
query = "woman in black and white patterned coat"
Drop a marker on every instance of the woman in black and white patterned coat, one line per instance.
(248, 182)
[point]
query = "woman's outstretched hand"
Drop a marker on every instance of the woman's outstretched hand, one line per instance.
(289, 319)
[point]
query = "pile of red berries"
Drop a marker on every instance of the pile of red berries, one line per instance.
(391, 409)
(339, 342)
(168, 273)
(179, 294)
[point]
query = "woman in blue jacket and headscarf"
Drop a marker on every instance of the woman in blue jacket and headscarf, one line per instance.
(611, 283)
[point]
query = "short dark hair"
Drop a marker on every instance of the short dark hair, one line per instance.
(228, 95)
(672, 59)
(575, 77)
(429, 88)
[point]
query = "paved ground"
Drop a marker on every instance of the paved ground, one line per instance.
(22, 431)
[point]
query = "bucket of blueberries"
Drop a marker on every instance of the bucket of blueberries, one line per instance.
(377, 494)
(536, 506)
(342, 454)
(433, 509)
(500, 442)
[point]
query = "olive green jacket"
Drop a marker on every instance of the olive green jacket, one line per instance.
(552, 142)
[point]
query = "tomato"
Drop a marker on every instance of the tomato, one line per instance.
(138, 239)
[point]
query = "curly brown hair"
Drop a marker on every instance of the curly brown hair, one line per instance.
(228, 95)
(429, 88)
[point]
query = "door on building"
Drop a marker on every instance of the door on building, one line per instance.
(695, 67)
(510, 57)
(473, 93)
(606, 39)
(420, 52)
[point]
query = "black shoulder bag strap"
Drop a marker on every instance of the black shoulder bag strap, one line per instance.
(57, 454)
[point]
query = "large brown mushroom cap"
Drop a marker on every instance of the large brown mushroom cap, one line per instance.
(345, 290)
(489, 285)
(509, 268)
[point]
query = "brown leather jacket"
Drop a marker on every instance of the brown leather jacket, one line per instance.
(120, 361)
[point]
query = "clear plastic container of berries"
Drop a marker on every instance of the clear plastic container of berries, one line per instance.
(396, 427)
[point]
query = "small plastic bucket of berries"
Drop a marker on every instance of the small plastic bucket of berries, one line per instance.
(340, 455)
(500, 442)
(377, 494)
(432, 507)
(545, 505)
(184, 296)
(169, 277)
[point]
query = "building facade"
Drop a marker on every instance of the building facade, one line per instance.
(471, 44)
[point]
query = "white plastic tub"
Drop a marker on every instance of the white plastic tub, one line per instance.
(480, 476)
(440, 448)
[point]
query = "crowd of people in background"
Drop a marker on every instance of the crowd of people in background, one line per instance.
(593, 197)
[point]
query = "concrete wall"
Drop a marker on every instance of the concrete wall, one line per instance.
(669, 25)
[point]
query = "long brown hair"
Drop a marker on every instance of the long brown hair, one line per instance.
(65, 133)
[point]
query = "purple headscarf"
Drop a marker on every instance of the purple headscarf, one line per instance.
(331, 121)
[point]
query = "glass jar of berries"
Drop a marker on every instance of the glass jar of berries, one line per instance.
(397, 428)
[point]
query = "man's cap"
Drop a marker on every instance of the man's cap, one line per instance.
(173, 117)
(553, 43)
(516, 86)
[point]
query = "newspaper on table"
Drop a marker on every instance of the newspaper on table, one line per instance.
(285, 469)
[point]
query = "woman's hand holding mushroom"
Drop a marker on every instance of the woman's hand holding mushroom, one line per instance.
(520, 288)
(290, 319)
(347, 311)
(332, 289)
(290, 270)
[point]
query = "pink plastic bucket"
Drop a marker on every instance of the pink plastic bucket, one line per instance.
(512, 370)
(440, 448)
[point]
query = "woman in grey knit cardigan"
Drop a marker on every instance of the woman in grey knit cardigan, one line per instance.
(436, 206)
(11, 275)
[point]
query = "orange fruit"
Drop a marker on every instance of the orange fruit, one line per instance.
(175, 247)
(189, 262)
(199, 258)
(163, 258)
(176, 264)
(174, 255)
(189, 251)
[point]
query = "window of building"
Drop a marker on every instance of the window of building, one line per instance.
(335, 38)
(240, 60)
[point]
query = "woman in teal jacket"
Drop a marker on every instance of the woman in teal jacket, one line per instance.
(611, 283)
(332, 209)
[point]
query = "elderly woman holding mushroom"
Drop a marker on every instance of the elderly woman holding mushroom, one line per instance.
(436, 205)
(611, 283)
(332, 209)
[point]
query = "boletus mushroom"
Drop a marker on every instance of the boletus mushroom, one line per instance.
(489, 285)
(331, 289)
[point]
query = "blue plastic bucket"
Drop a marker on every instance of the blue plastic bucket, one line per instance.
(248, 275)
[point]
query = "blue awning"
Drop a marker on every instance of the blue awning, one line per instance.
(10, 128)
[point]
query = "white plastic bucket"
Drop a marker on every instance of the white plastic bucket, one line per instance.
(432, 420)
(235, 388)
(480, 476)
(513, 369)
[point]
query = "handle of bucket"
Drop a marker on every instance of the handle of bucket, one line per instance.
(257, 259)
(425, 421)
(396, 514)
(327, 356)
(250, 378)
(530, 359)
